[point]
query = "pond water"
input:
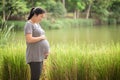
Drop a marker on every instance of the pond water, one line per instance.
(81, 35)
(85, 35)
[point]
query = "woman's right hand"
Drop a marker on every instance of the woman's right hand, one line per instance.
(43, 37)
(31, 39)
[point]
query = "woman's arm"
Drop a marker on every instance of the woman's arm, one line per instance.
(30, 39)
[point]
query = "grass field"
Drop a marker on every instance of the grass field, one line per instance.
(76, 54)
(66, 62)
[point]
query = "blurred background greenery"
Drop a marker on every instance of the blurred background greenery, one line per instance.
(102, 12)
(83, 35)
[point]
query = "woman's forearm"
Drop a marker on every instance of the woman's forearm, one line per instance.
(30, 39)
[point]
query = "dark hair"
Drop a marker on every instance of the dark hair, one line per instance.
(36, 11)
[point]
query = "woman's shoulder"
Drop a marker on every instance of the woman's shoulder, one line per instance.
(28, 23)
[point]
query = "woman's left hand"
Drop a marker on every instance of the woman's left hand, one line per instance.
(46, 55)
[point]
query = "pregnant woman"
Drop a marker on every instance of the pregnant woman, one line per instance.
(37, 44)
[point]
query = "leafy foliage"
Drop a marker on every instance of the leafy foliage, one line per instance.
(58, 10)
(13, 7)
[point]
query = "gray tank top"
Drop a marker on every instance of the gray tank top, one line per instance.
(35, 52)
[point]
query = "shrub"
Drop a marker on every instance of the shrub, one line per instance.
(58, 10)
(18, 25)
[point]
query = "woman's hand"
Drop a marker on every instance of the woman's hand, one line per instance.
(43, 37)
(31, 39)
(46, 55)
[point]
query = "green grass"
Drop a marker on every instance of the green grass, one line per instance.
(87, 62)
(13, 66)
(5, 33)
(66, 62)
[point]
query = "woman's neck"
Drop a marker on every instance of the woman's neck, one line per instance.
(33, 20)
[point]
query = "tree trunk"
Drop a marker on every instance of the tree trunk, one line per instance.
(63, 1)
(88, 11)
(75, 14)
(3, 4)
(78, 14)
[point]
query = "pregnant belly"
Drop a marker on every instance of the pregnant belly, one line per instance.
(44, 45)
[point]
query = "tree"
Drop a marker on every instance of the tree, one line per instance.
(114, 10)
(2, 10)
(89, 4)
(55, 9)
(100, 7)
(58, 10)
(75, 6)
(13, 7)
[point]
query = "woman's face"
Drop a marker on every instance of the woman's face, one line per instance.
(40, 16)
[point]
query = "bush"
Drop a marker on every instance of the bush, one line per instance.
(18, 25)
(58, 10)
(55, 23)
(46, 24)
(77, 22)
(66, 23)
(112, 21)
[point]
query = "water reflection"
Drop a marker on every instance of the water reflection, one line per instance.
(85, 35)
